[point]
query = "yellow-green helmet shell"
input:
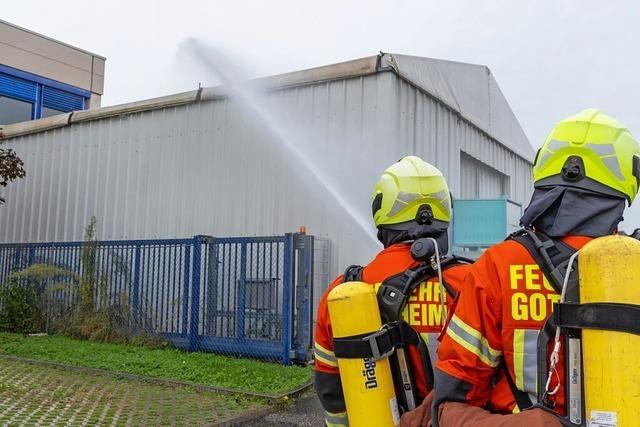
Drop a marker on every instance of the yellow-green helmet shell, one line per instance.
(609, 154)
(407, 185)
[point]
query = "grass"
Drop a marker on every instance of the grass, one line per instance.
(168, 363)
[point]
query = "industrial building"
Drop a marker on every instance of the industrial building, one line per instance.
(42, 77)
(205, 162)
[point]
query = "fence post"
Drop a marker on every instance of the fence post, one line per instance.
(211, 280)
(303, 296)
(195, 294)
(287, 295)
(135, 291)
(17, 259)
(186, 278)
(32, 256)
(241, 293)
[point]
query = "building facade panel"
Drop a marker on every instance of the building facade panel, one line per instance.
(60, 77)
(225, 168)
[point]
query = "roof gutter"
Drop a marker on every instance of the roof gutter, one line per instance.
(65, 119)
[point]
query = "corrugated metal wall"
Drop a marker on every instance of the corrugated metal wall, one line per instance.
(214, 168)
(479, 181)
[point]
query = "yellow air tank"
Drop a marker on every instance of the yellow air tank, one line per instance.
(367, 385)
(609, 271)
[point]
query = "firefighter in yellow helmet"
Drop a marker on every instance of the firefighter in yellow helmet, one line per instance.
(410, 201)
(489, 363)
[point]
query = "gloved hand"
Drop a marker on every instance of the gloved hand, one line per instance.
(636, 234)
(419, 417)
(455, 414)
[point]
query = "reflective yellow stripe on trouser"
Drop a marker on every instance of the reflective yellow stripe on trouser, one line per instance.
(338, 419)
(472, 340)
(525, 361)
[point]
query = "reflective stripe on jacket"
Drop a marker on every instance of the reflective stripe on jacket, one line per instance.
(504, 302)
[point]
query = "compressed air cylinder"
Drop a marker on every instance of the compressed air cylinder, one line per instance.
(367, 385)
(609, 271)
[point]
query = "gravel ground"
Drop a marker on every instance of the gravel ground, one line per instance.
(32, 395)
(305, 411)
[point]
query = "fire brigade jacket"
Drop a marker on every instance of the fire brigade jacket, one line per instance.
(423, 312)
(504, 303)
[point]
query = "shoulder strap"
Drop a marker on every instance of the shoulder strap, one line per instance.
(353, 273)
(449, 262)
(551, 255)
(396, 290)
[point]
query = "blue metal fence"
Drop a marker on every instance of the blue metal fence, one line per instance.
(245, 296)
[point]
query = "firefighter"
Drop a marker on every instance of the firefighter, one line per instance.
(489, 358)
(410, 201)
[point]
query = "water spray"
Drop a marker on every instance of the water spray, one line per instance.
(254, 98)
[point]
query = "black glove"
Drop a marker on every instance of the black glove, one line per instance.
(636, 234)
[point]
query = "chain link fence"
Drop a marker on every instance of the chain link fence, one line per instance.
(239, 296)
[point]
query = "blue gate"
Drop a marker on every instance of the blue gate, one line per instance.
(244, 296)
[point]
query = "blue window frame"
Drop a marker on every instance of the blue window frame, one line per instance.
(47, 97)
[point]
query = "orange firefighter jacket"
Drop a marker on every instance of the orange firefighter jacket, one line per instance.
(504, 303)
(423, 312)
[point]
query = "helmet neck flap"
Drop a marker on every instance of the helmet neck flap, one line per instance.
(409, 232)
(560, 211)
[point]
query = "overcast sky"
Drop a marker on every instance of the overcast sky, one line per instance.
(551, 58)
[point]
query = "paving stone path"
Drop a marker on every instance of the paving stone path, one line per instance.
(33, 395)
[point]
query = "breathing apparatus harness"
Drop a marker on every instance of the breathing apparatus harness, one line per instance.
(558, 262)
(396, 334)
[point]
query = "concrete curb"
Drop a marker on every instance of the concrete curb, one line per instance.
(161, 381)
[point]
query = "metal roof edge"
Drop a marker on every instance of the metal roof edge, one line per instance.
(340, 70)
(65, 119)
(134, 107)
(33, 126)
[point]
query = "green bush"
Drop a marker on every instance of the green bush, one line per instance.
(33, 300)
(19, 308)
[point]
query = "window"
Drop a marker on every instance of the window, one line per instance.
(47, 112)
(14, 111)
(25, 96)
(60, 100)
